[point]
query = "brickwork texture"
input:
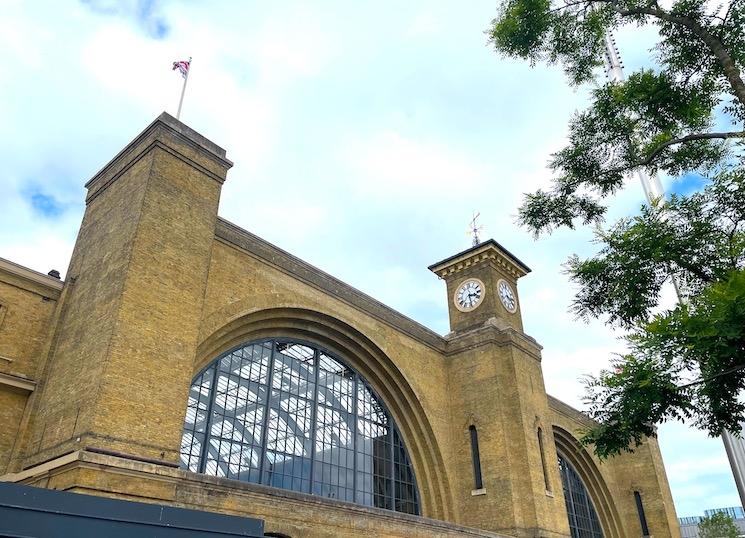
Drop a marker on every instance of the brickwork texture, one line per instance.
(97, 371)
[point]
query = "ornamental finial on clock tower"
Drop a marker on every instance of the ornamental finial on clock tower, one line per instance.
(474, 230)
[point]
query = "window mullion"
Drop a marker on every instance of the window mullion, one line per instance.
(393, 461)
(208, 426)
(314, 419)
(354, 439)
(267, 412)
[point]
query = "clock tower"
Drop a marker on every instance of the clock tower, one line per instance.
(482, 286)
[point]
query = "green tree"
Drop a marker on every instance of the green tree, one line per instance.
(665, 119)
(718, 525)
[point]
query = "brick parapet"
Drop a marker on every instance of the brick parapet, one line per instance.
(172, 136)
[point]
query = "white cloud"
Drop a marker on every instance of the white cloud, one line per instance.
(564, 369)
(22, 38)
(293, 41)
(129, 64)
(425, 23)
(391, 165)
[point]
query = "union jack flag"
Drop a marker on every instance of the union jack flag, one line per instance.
(182, 66)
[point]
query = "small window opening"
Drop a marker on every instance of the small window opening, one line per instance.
(640, 511)
(476, 458)
(546, 481)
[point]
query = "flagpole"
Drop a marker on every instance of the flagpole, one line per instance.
(183, 90)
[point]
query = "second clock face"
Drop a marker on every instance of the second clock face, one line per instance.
(469, 294)
(507, 296)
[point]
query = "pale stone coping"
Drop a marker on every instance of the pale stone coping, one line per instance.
(144, 470)
(136, 150)
(302, 270)
(29, 275)
(186, 133)
(192, 135)
(244, 240)
(476, 492)
(41, 468)
(565, 409)
(488, 250)
(17, 382)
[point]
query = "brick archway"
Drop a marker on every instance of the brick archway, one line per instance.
(370, 361)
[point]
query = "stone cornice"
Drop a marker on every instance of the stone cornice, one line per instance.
(238, 237)
(487, 252)
(29, 280)
(493, 333)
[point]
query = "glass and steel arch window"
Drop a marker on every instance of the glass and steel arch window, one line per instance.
(290, 415)
(583, 520)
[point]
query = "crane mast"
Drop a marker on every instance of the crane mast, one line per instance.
(614, 71)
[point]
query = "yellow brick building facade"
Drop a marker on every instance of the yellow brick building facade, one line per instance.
(97, 373)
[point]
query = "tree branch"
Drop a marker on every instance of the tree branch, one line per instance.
(693, 270)
(712, 377)
(684, 139)
(648, 160)
(729, 10)
(731, 72)
(569, 186)
(568, 5)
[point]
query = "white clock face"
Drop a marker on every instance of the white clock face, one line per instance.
(507, 296)
(469, 294)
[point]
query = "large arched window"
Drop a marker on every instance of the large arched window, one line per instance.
(290, 415)
(583, 520)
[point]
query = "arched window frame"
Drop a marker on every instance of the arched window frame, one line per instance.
(577, 499)
(401, 470)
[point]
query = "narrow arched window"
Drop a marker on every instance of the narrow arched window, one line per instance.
(640, 512)
(478, 482)
(542, 450)
(291, 415)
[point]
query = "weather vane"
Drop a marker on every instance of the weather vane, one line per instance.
(474, 229)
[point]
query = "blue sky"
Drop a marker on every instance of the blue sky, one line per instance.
(363, 136)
